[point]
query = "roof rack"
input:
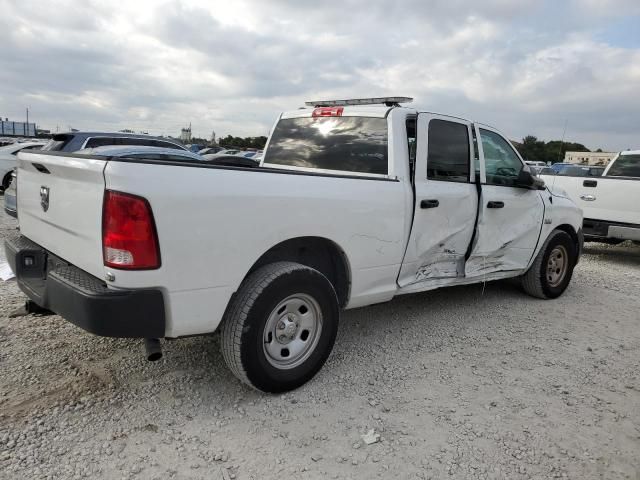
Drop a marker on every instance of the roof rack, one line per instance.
(388, 101)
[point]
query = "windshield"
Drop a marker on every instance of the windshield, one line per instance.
(351, 144)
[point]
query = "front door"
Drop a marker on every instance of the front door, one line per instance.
(446, 202)
(510, 217)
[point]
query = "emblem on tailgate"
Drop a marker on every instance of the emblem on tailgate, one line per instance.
(44, 198)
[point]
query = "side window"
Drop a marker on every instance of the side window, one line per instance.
(98, 142)
(502, 164)
(448, 147)
(625, 166)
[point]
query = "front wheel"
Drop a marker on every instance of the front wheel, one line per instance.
(280, 326)
(551, 271)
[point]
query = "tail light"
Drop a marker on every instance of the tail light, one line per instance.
(129, 238)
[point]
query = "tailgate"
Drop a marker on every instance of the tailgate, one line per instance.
(60, 206)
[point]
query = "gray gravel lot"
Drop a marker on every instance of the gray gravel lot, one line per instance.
(467, 382)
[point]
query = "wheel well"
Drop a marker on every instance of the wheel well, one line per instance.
(569, 229)
(6, 179)
(315, 252)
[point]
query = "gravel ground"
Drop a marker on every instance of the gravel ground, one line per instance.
(467, 382)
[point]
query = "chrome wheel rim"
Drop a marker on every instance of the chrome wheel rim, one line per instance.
(292, 331)
(557, 266)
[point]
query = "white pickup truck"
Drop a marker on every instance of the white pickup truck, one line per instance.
(610, 203)
(352, 205)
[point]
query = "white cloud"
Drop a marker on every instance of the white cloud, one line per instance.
(524, 66)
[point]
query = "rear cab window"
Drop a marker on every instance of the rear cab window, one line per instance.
(339, 144)
(448, 151)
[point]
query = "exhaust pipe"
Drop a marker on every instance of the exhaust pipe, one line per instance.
(153, 349)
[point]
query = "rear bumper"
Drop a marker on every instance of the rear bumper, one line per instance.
(83, 299)
(601, 229)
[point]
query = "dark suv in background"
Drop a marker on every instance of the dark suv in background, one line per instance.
(74, 141)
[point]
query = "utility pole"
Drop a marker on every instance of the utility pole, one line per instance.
(562, 141)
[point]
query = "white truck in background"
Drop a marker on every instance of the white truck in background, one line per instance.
(610, 203)
(352, 204)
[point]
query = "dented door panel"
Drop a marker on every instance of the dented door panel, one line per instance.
(444, 217)
(506, 237)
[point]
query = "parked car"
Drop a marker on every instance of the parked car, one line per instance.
(342, 214)
(142, 152)
(580, 171)
(535, 163)
(226, 151)
(10, 200)
(8, 156)
(74, 141)
(610, 200)
(559, 167)
(210, 150)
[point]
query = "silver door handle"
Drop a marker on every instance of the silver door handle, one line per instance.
(588, 198)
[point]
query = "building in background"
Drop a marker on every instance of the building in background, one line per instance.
(17, 129)
(185, 134)
(589, 158)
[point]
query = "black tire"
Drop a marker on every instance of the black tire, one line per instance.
(243, 329)
(536, 282)
(6, 181)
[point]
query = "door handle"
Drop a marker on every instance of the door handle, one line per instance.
(493, 204)
(590, 183)
(588, 198)
(429, 203)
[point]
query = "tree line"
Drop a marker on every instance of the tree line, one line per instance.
(553, 151)
(236, 142)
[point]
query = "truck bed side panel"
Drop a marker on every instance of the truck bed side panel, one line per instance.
(213, 224)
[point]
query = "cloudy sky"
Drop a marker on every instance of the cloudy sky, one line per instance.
(524, 66)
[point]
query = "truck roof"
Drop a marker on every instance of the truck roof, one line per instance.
(376, 111)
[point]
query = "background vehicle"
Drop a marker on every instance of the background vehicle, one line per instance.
(219, 153)
(74, 141)
(578, 171)
(343, 212)
(8, 156)
(150, 153)
(611, 202)
(210, 150)
(535, 163)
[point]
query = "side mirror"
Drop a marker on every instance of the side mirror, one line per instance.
(527, 180)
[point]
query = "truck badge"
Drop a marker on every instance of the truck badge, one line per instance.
(44, 198)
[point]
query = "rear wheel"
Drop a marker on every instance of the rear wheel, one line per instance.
(280, 326)
(552, 269)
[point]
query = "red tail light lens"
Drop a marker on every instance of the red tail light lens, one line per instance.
(327, 112)
(129, 238)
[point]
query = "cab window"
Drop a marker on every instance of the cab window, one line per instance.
(502, 164)
(448, 155)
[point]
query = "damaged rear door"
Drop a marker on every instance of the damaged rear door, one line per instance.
(510, 217)
(446, 203)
